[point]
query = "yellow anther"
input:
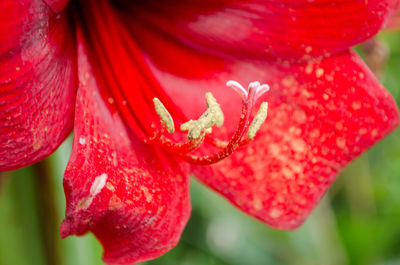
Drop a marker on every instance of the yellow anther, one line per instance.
(204, 122)
(212, 116)
(188, 125)
(164, 115)
(214, 107)
(258, 120)
(208, 130)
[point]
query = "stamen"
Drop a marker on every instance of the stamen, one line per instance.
(208, 130)
(164, 115)
(215, 109)
(258, 120)
(187, 125)
(212, 116)
(197, 129)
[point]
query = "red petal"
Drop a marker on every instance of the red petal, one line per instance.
(57, 5)
(322, 115)
(37, 81)
(132, 197)
(394, 23)
(119, 63)
(259, 28)
(315, 127)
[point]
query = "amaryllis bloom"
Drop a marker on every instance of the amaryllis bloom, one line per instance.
(124, 74)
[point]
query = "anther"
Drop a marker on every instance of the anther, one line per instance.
(197, 129)
(187, 125)
(190, 124)
(258, 120)
(164, 115)
(208, 130)
(212, 116)
(215, 109)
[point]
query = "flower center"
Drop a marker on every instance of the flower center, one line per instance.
(197, 130)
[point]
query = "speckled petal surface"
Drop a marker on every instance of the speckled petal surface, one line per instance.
(37, 81)
(322, 114)
(255, 28)
(133, 197)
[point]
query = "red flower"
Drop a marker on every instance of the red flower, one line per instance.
(126, 181)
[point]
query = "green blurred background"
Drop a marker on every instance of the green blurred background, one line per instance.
(357, 222)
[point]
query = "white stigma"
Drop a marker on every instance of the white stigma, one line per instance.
(261, 90)
(243, 93)
(254, 85)
(255, 88)
(258, 89)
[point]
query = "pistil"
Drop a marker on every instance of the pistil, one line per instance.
(197, 129)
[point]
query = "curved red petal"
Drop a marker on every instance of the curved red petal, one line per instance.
(120, 64)
(37, 81)
(257, 29)
(322, 114)
(317, 123)
(130, 195)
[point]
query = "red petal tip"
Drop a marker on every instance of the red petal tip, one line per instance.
(65, 229)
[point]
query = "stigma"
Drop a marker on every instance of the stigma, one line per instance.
(198, 130)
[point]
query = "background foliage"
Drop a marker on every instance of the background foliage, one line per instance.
(357, 222)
